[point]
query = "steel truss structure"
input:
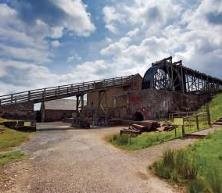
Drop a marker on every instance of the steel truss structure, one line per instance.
(168, 75)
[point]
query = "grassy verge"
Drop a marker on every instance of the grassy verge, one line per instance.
(216, 107)
(10, 157)
(142, 141)
(8, 140)
(199, 167)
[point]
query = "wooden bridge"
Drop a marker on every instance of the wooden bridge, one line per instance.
(58, 92)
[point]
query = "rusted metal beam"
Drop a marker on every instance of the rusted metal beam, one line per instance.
(166, 75)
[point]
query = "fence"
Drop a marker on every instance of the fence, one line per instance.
(190, 122)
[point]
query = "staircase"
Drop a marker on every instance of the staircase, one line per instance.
(58, 92)
(218, 122)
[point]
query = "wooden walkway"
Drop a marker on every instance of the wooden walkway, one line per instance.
(52, 93)
(205, 132)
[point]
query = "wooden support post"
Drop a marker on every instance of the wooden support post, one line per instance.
(44, 94)
(71, 89)
(82, 101)
(208, 115)
(183, 131)
(77, 105)
(43, 112)
(11, 98)
(29, 95)
(197, 122)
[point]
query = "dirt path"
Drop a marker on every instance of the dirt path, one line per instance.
(81, 161)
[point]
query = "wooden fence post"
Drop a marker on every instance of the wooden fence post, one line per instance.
(208, 115)
(183, 131)
(29, 95)
(197, 122)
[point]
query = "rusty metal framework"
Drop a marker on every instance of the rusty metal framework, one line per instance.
(168, 75)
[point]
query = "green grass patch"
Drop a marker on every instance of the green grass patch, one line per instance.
(216, 107)
(10, 157)
(199, 166)
(142, 141)
(11, 138)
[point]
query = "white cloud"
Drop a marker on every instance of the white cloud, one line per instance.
(56, 32)
(73, 58)
(157, 29)
(21, 42)
(111, 16)
(55, 43)
(77, 20)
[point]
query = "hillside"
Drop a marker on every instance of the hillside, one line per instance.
(216, 107)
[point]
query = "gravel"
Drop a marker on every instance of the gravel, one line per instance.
(81, 161)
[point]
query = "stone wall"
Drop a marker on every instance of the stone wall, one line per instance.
(108, 95)
(56, 115)
(23, 111)
(154, 104)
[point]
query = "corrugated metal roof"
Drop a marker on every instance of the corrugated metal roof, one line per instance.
(61, 104)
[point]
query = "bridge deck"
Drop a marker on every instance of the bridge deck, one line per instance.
(52, 93)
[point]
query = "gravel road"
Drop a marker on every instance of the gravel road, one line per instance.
(80, 161)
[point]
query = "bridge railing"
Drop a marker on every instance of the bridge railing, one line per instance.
(50, 93)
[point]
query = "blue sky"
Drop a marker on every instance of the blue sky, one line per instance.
(49, 42)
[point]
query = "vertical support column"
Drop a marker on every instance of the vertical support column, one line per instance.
(82, 101)
(43, 112)
(11, 98)
(77, 105)
(197, 122)
(29, 95)
(208, 114)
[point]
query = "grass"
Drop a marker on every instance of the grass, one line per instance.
(9, 139)
(216, 107)
(199, 167)
(10, 157)
(142, 141)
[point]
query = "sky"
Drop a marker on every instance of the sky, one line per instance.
(54, 42)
